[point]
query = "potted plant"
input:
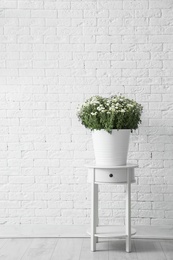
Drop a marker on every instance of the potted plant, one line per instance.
(111, 121)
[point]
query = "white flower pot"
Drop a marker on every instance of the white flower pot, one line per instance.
(111, 149)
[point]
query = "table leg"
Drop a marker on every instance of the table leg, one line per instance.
(128, 213)
(93, 222)
(96, 208)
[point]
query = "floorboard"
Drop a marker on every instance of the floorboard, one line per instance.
(3, 242)
(79, 249)
(117, 250)
(149, 250)
(167, 246)
(40, 249)
(100, 254)
(14, 249)
(67, 249)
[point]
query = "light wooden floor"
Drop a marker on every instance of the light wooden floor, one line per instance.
(79, 249)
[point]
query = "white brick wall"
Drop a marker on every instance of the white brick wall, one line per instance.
(53, 55)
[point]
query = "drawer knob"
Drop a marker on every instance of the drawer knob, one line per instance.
(111, 175)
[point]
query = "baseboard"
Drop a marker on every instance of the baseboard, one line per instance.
(21, 231)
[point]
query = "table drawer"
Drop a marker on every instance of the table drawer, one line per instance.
(111, 175)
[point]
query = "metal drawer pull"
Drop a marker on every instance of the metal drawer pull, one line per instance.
(111, 175)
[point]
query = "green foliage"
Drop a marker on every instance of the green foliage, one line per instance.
(116, 112)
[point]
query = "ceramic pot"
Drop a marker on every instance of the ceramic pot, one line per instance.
(111, 149)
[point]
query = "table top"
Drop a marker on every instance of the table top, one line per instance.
(93, 165)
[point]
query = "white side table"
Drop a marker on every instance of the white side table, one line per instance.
(115, 175)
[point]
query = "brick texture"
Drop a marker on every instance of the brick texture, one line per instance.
(53, 55)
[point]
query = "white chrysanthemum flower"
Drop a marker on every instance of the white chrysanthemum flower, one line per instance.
(112, 109)
(93, 113)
